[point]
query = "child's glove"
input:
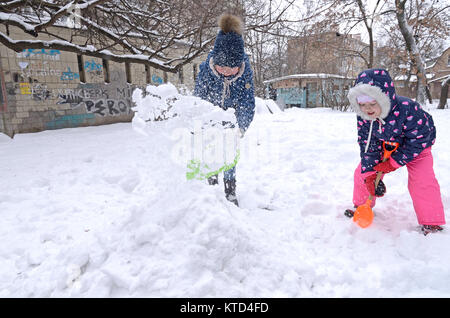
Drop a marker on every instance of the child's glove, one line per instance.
(384, 167)
(370, 185)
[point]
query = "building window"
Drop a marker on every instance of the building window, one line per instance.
(81, 69)
(448, 61)
(128, 72)
(106, 71)
(312, 86)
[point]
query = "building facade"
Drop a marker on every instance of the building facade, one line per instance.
(440, 69)
(309, 90)
(437, 69)
(327, 52)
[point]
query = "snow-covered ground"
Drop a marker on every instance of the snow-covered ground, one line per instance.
(104, 212)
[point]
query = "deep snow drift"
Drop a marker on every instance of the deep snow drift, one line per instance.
(104, 212)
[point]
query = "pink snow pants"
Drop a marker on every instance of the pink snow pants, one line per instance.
(422, 185)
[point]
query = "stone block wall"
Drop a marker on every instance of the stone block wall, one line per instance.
(51, 89)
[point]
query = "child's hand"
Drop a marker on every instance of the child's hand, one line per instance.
(384, 167)
(370, 185)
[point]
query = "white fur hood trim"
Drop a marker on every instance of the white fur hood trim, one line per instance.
(373, 91)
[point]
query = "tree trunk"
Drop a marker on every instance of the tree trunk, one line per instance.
(370, 47)
(444, 93)
(412, 48)
(369, 31)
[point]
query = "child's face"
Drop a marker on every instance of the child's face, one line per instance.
(227, 71)
(371, 109)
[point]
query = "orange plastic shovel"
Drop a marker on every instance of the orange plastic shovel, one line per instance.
(363, 214)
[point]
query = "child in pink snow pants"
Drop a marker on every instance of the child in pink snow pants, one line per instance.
(383, 116)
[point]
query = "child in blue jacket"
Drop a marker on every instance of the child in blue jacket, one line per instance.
(226, 80)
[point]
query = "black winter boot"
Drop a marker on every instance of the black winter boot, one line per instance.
(427, 229)
(230, 191)
(213, 180)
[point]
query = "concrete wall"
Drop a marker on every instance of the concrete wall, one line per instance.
(52, 89)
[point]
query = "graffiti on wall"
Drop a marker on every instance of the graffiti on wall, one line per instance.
(40, 92)
(40, 53)
(69, 75)
(105, 107)
(25, 88)
(88, 100)
(68, 121)
(38, 68)
(41, 68)
(156, 79)
(91, 66)
(37, 91)
(38, 64)
(94, 71)
(98, 100)
(78, 94)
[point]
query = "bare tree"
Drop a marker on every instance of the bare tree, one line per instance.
(444, 93)
(358, 12)
(265, 37)
(429, 28)
(350, 14)
(270, 26)
(162, 34)
(414, 52)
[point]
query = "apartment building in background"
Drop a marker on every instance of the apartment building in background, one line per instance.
(328, 52)
(321, 69)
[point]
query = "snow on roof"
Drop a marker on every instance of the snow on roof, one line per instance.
(431, 62)
(312, 75)
(413, 77)
(439, 78)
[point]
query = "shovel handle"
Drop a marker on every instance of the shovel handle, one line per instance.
(377, 180)
(389, 147)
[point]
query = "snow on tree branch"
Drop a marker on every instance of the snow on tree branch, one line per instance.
(161, 34)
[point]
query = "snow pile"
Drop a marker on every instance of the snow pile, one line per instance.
(4, 138)
(203, 137)
(266, 106)
(164, 102)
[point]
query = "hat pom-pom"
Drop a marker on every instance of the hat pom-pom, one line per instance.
(230, 23)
